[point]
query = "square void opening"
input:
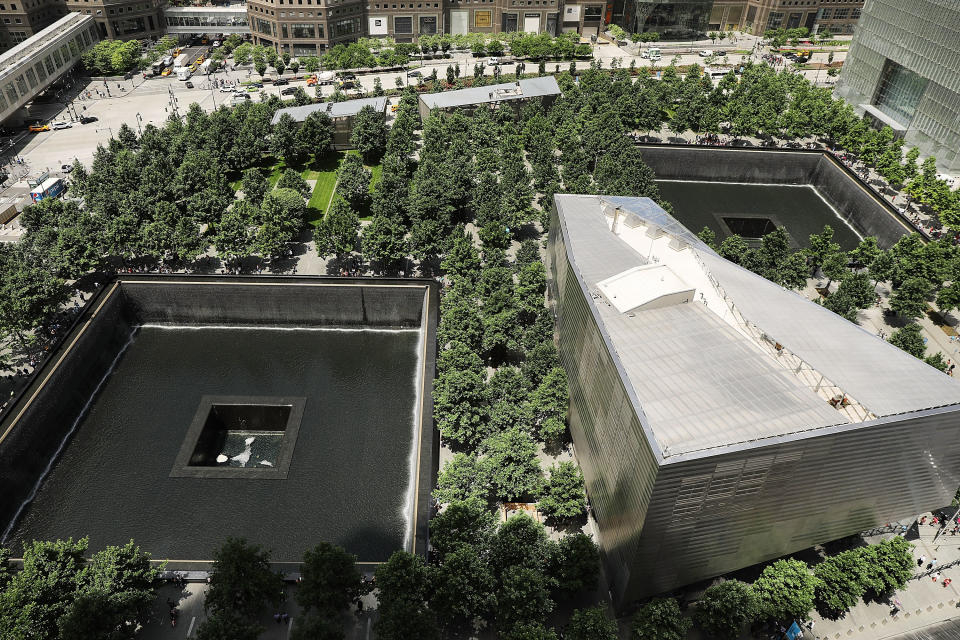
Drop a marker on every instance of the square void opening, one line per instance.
(749, 228)
(240, 437)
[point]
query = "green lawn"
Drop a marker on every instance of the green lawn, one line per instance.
(324, 171)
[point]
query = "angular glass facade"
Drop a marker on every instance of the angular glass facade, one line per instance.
(904, 69)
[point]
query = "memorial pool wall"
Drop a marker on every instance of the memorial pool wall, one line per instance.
(40, 421)
(854, 201)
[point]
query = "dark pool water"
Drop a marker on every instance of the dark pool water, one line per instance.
(347, 482)
(799, 209)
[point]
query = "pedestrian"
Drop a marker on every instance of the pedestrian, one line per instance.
(921, 560)
(936, 576)
(276, 617)
(932, 563)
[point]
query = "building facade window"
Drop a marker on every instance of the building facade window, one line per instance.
(403, 25)
(303, 31)
(483, 18)
(428, 24)
(263, 26)
(899, 91)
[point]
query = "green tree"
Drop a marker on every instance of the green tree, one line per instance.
(353, 182)
(313, 626)
(291, 179)
(523, 596)
(369, 135)
(463, 525)
(228, 625)
(463, 589)
(660, 619)
(514, 469)
(841, 582)
(910, 339)
(548, 405)
(563, 496)
(725, 608)
(233, 235)
(909, 300)
(575, 564)
(338, 229)
(785, 590)
(287, 143)
(384, 242)
(529, 631)
(520, 541)
(734, 248)
(316, 133)
(459, 398)
(403, 584)
(591, 624)
(462, 477)
(241, 581)
(330, 581)
(28, 294)
(254, 186)
(889, 565)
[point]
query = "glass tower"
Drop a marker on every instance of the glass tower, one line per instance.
(903, 70)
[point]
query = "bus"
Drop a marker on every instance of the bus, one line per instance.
(157, 67)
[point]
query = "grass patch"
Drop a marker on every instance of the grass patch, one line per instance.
(324, 171)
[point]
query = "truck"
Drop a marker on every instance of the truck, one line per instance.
(49, 188)
(205, 67)
(184, 73)
(180, 61)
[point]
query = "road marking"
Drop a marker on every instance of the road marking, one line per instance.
(190, 628)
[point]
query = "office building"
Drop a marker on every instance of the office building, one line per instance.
(903, 70)
(721, 420)
(756, 16)
(124, 20)
(24, 18)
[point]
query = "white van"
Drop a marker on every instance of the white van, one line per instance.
(654, 53)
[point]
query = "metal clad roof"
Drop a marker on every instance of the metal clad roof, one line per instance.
(880, 376)
(332, 109)
(699, 382)
(529, 87)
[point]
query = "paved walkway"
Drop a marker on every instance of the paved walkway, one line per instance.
(921, 603)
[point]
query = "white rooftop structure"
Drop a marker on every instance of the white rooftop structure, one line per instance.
(643, 287)
(523, 89)
(714, 355)
(343, 109)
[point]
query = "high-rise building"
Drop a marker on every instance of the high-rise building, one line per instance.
(721, 420)
(24, 18)
(757, 16)
(903, 70)
(123, 19)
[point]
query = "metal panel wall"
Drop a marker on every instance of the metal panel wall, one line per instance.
(618, 465)
(719, 513)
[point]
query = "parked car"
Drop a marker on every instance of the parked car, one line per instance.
(281, 81)
(88, 119)
(493, 61)
(66, 168)
(57, 126)
(36, 128)
(256, 85)
(705, 53)
(227, 89)
(413, 73)
(289, 91)
(188, 84)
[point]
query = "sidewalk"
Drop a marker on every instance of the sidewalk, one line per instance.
(924, 601)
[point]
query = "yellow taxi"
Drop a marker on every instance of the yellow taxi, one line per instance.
(36, 128)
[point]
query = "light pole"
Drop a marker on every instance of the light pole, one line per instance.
(139, 120)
